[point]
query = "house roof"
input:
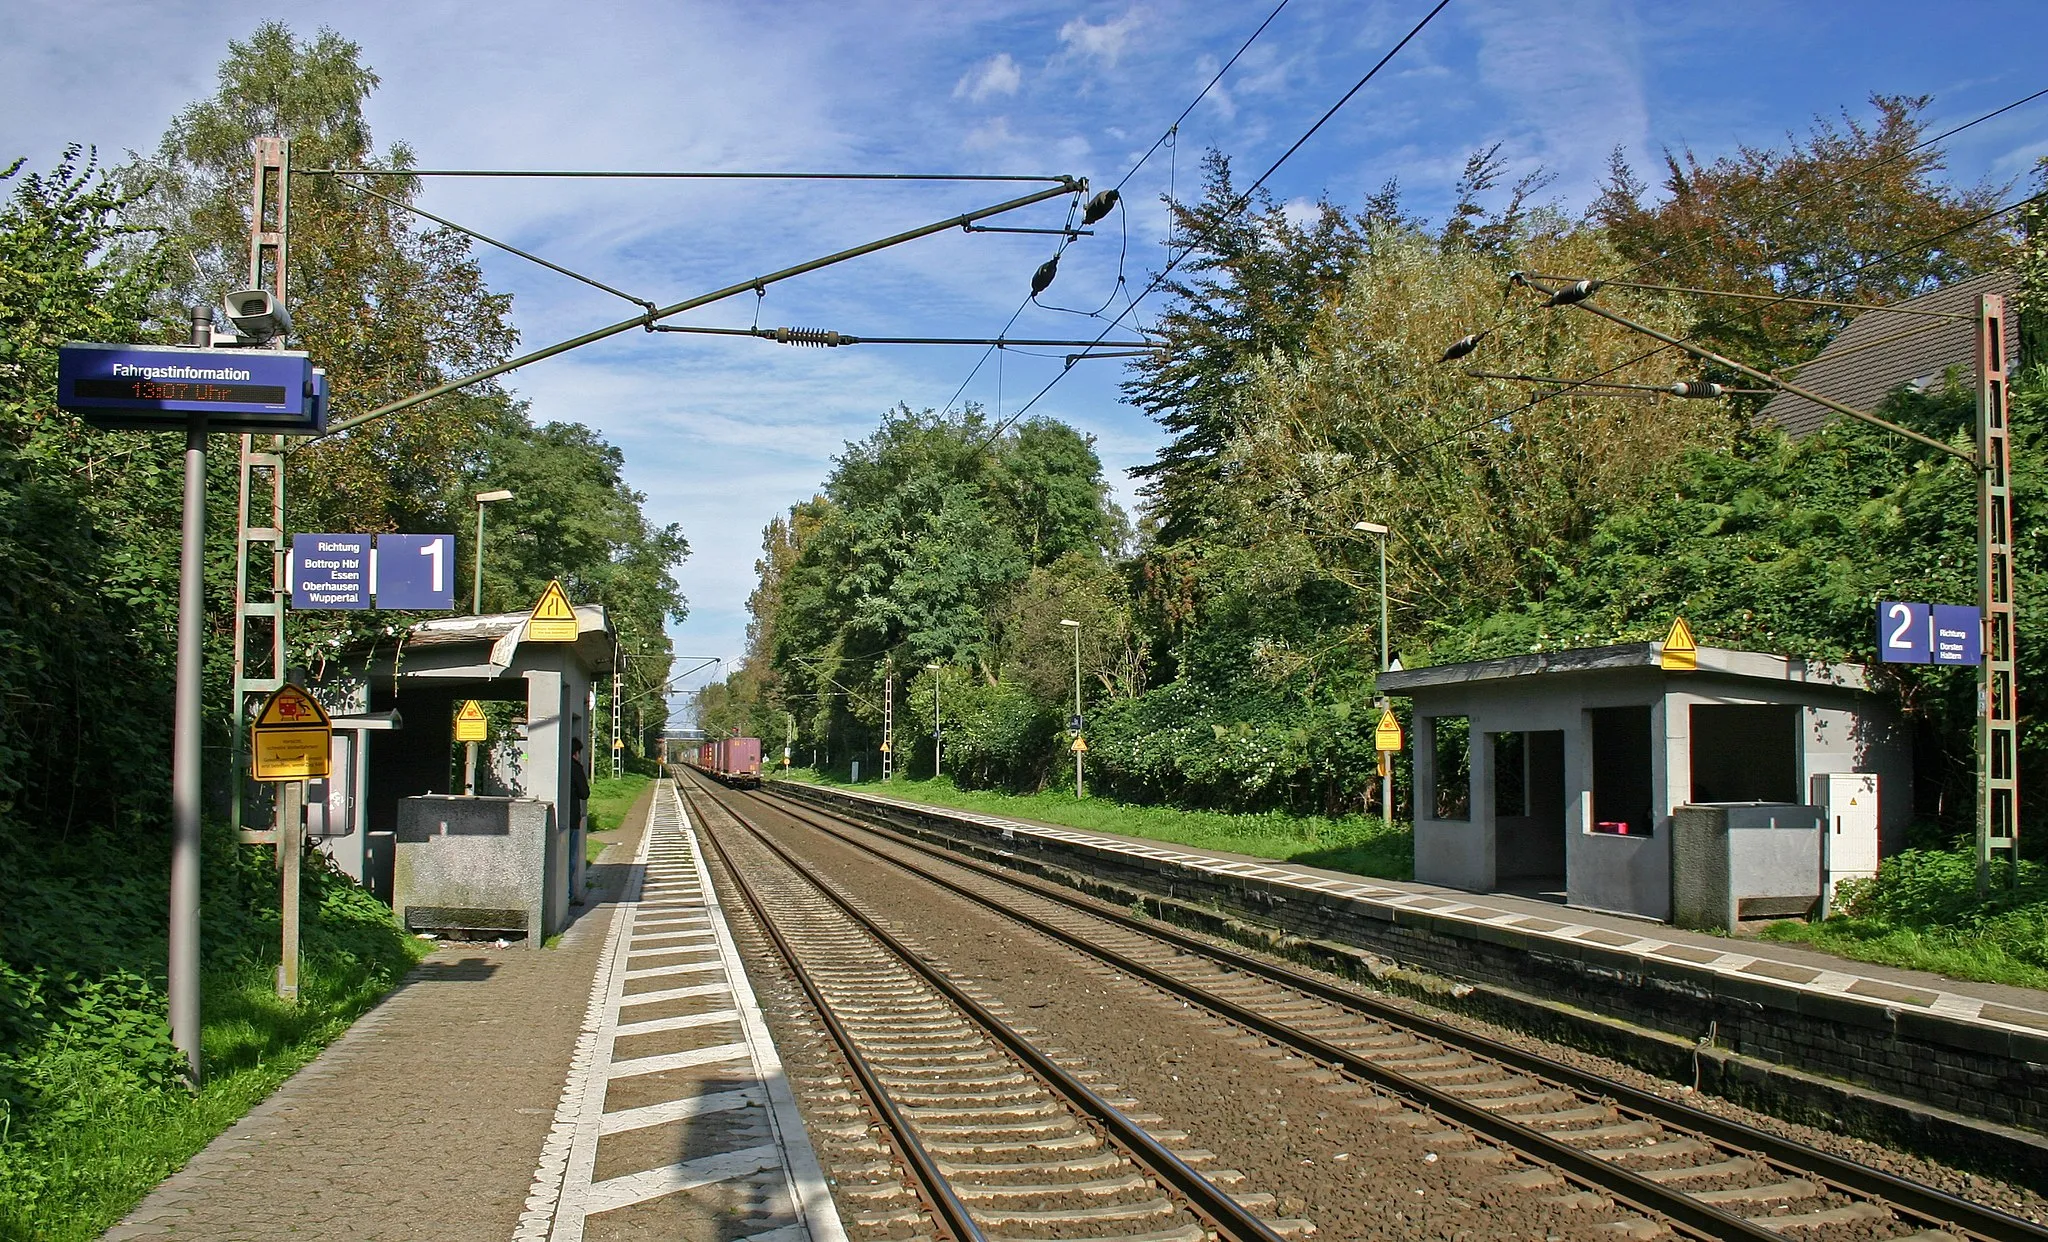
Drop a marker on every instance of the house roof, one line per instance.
(1882, 349)
(1758, 665)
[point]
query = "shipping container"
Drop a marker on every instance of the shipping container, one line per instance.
(739, 762)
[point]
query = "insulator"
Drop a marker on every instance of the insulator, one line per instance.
(1462, 346)
(1699, 390)
(1042, 278)
(1578, 291)
(1099, 206)
(809, 336)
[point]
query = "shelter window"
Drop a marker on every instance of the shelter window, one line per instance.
(1451, 749)
(1745, 753)
(1621, 771)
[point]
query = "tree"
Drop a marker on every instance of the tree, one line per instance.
(88, 521)
(573, 518)
(387, 307)
(1252, 285)
(1854, 212)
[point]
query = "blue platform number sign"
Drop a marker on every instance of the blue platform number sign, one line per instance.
(1951, 634)
(415, 571)
(330, 571)
(1902, 633)
(1958, 635)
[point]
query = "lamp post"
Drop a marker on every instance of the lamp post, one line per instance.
(476, 594)
(1076, 627)
(476, 605)
(1386, 779)
(936, 744)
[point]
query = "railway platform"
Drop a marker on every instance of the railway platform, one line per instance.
(1896, 1054)
(619, 1085)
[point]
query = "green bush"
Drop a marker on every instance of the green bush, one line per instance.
(1922, 911)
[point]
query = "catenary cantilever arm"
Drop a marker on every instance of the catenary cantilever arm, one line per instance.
(1072, 185)
(1585, 303)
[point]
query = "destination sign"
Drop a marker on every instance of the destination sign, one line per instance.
(156, 387)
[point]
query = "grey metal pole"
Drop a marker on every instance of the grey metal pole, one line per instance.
(476, 592)
(1077, 710)
(1387, 781)
(183, 965)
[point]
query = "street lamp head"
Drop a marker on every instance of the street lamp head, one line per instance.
(932, 667)
(484, 498)
(1370, 528)
(1070, 624)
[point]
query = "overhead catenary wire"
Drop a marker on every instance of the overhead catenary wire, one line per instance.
(507, 247)
(1781, 208)
(1242, 199)
(1165, 135)
(647, 320)
(1495, 416)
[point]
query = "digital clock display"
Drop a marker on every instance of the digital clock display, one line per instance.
(180, 390)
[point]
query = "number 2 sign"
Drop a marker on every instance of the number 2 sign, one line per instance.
(1903, 634)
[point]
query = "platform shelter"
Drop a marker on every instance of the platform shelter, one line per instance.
(1557, 772)
(425, 673)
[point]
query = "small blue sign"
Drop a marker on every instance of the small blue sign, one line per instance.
(155, 387)
(1958, 635)
(330, 571)
(416, 571)
(1902, 633)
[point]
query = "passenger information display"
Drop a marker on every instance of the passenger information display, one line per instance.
(155, 387)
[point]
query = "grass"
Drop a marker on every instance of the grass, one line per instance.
(91, 1112)
(86, 1169)
(1922, 912)
(611, 800)
(1360, 844)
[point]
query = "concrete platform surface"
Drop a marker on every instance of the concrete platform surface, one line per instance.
(428, 1117)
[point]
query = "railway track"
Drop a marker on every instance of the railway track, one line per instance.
(1702, 1174)
(995, 1136)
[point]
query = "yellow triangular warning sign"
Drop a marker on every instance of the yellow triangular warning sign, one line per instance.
(618, 743)
(290, 739)
(1386, 735)
(1080, 746)
(291, 708)
(471, 710)
(470, 725)
(1680, 654)
(885, 746)
(553, 619)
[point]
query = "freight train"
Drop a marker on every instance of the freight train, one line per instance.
(735, 761)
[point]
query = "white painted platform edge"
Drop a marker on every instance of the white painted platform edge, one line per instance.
(808, 1190)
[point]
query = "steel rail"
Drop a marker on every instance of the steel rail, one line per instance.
(1230, 1218)
(1932, 1205)
(932, 1183)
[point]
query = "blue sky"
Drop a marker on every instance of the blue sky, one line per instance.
(723, 434)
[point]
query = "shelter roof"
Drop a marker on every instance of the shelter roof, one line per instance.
(1882, 350)
(1756, 665)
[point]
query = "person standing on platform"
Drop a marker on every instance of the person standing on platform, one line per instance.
(579, 802)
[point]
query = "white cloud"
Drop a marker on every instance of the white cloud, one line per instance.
(1104, 42)
(998, 75)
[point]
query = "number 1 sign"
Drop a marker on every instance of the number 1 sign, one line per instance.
(415, 571)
